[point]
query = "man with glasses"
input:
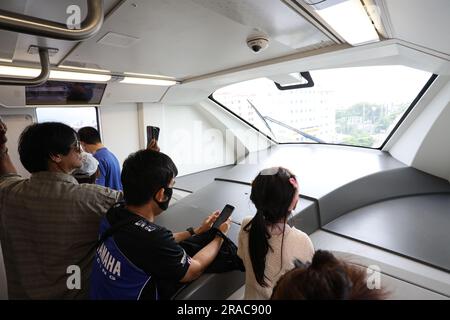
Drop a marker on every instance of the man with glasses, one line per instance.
(48, 222)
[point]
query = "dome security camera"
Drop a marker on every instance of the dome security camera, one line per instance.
(258, 43)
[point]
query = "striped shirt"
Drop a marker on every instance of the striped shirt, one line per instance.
(48, 223)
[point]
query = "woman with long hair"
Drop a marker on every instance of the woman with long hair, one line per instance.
(268, 246)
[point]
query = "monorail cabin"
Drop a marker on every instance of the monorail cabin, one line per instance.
(314, 132)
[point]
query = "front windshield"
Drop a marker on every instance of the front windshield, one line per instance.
(357, 106)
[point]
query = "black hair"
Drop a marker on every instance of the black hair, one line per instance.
(89, 135)
(272, 194)
(144, 173)
(87, 179)
(326, 278)
(41, 140)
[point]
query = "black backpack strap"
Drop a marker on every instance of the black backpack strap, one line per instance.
(219, 233)
(113, 229)
(108, 233)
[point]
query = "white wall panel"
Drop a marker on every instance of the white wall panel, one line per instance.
(424, 145)
(189, 136)
(17, 120)
(119, 127)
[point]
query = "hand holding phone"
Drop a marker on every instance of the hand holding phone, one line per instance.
(224, 215)
(152, 133)
(152, 138)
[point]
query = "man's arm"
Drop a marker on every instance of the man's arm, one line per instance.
(6, 165)
(205, 226)
(206, 256)
(181, 236)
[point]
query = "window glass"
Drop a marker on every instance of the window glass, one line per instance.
(354, 106)
(74, 117)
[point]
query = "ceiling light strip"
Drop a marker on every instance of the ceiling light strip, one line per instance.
(349, 19)
(84, 76)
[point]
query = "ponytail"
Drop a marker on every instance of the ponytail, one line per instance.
(258, 245)
(272, 194)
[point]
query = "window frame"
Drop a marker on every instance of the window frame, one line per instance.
(424, 89)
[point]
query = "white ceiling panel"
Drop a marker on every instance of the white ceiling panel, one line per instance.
(425, 23)
(123, 93)
(187, 38)
(8, 39)
(54, 10)
(283, 24)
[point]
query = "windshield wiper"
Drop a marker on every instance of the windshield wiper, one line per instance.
(304, 134)
(262, 118)
(265, 118)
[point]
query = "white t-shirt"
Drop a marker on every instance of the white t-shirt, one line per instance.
(296, 245)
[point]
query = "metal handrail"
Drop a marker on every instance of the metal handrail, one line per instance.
(44, 28)
(40, 79)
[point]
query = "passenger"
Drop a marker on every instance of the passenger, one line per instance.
(108, 164)
(142, 260)
(88, 172)
(267, 244)
(326, 278)
(48, 222)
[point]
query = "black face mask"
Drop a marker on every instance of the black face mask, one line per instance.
(165, 204)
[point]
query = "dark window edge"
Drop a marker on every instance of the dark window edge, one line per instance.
(410, 108)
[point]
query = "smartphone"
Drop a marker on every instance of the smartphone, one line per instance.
(224, 215)
(152, 133)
